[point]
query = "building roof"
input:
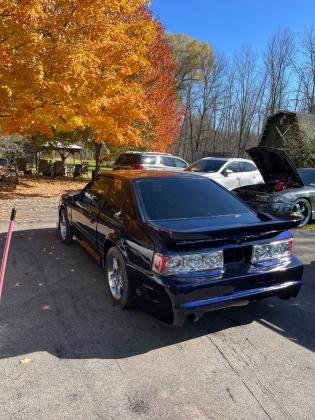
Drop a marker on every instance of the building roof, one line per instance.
(60, 146)
(138, 152)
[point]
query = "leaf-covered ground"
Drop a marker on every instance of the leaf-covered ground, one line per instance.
(34, 192)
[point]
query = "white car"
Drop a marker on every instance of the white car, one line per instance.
(149, 160)
(230, 172)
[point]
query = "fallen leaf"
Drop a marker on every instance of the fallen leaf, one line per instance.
(25, 361)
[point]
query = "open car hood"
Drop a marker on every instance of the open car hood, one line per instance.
(273, 164)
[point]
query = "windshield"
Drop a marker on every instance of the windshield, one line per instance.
(206, 165)
(175, 198)
(308, 176)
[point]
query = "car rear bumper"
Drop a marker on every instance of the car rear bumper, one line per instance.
(198, 293)
(239, 286)
(197, 308)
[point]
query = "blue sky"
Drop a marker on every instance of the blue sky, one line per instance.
(230, 24)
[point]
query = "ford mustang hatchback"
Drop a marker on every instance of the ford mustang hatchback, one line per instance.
(179, 244)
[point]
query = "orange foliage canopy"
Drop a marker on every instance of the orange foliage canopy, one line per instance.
(67, 64)
(164, 113)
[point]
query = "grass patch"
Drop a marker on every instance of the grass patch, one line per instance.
(310, 226)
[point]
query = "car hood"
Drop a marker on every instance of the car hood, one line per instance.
(273, 163)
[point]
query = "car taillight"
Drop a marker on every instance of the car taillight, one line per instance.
(272, 251)
(172, 264)
(136, 167)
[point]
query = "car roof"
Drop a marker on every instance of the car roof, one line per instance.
(139, 174)
(226, 159)
(135, 152)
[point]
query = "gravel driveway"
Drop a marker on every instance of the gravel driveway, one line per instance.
(67, 353)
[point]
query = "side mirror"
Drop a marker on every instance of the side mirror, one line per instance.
(227, 172)
(76, 197)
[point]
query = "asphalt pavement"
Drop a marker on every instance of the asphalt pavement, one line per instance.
(67, 353)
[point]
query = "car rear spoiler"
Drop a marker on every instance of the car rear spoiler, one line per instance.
(242, 233)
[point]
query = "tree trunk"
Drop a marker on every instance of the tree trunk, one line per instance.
(16, 169)
(97, 155)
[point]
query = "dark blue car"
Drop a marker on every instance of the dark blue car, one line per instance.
(178, 244)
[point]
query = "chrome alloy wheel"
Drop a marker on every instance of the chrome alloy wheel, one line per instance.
(63, 226)
(303, 208)
(115, 278)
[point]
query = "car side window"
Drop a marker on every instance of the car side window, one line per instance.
(233, 166)
(113, 198)
(247, 167)
(105, 192)
(168, 161)
(95, 192)
(180, 163)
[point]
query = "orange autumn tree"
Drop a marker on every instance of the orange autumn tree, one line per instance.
(67, 64)
(165, 112)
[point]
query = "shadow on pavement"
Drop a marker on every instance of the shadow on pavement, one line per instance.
(55, 301)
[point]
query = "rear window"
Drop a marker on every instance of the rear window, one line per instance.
(174, 198)
(211, 165)
(129, 159)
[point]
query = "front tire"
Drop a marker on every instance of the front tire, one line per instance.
(304, 209)
(65, 228)
(117, 279)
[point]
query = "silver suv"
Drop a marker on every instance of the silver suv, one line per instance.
(149, 160)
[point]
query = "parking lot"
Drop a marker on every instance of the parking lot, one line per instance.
(67, 352)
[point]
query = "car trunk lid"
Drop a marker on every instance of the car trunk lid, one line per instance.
(233, 230)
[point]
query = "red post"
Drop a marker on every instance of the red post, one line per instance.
(6, 249)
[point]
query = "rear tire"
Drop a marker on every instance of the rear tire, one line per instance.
(304, 208)
(116, 277)
(65, 229)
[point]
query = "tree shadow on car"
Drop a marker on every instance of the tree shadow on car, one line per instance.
(55, 300)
